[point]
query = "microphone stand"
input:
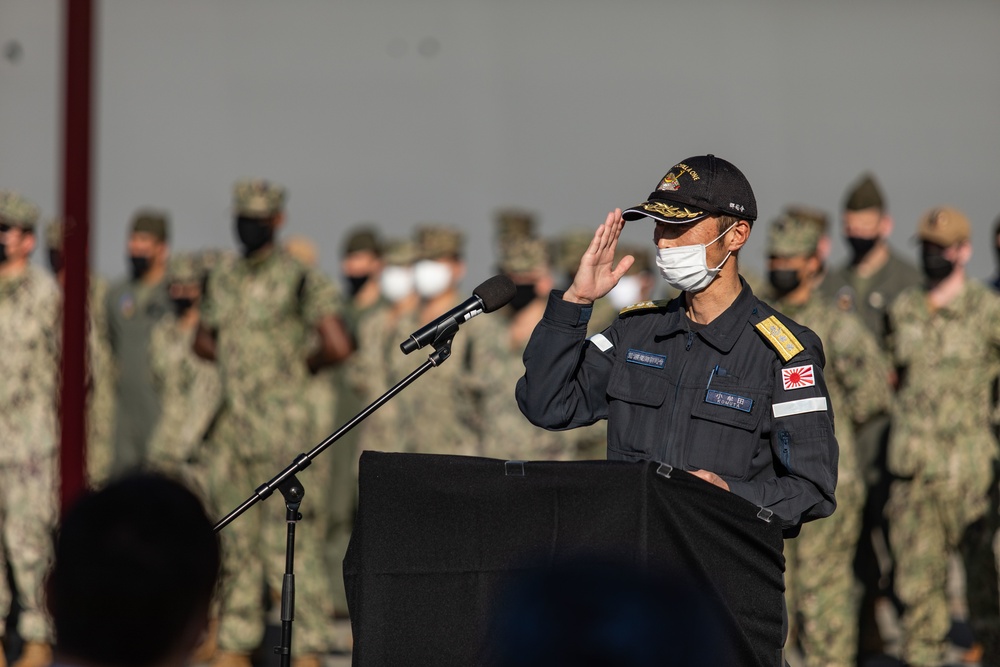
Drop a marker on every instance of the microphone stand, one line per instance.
(288, 484)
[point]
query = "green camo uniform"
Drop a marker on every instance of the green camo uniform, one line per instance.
(264, 310)
(190, 395)
(819, 576)
(29, 333)
(438, 413)
(943, 447)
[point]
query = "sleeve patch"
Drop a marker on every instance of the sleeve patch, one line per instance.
(780, 338)
(602, 342)
(802, 406)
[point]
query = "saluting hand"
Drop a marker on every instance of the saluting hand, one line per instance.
(597, 274)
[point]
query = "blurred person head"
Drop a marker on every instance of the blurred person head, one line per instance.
(136, 565)
(396, 281)
(567, 250)
(361, 262)
(186, 276)
(638, 282)
(440, 267)
(797, 243)
(866, 220)
(591, 612)
(525, 261)
(259, 207)
(18, 218)
(147, 245)
(945, 237)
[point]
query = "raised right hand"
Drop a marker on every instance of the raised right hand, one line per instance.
(597, 274)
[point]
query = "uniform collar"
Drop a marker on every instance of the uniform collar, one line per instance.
(722, 332)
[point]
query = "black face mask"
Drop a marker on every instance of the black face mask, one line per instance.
(524, 295)
(784, 280)
(935, 266)
(860, 247)
(182, 305)
(3, 253)
(355, 283)
(253, 233)
(139, 265)
(55, 261)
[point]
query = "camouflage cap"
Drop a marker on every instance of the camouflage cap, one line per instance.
(512, 222)
(865, 193)
(439, 242)
(363, 238)
(400, 252)
(17, 211)
(185, 267)
(149, 221)
(944, 226)
(569, 247)
(796, 232)
(257, 198)
(522, 255)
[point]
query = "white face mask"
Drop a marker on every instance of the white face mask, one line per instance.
(396, 282)
(626, 292)
(685, 267)
(431, 278)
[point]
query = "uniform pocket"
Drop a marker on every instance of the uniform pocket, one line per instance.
(722, 436)
(636, 395)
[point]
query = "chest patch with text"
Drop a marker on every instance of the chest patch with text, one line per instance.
(645, 358)
(728, 400)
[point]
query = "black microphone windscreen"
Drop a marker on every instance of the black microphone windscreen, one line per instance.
(495, 292)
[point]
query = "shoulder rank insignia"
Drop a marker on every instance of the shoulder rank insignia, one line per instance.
(644, 305)
(780, 338)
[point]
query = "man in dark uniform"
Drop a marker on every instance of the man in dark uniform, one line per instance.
(714, 382)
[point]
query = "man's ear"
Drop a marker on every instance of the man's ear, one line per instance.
(885, 224)
(739, 235)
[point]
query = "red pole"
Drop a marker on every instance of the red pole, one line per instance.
(76, 188)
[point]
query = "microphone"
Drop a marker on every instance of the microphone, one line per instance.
(492, 294)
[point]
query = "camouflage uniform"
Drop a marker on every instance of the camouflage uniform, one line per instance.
(190, 392)
(368, 369)
(819, 575)
(264, 309)
(438, 414)
(30, 330)
(100, 370)
(497, 365)
(943, 451)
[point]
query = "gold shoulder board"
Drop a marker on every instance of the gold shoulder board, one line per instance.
(780, 338)
(644, 305)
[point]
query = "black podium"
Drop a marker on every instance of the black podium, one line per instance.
(440, 540)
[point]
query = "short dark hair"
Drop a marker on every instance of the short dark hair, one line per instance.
(138, 559)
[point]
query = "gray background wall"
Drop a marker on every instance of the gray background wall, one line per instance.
(401, 111)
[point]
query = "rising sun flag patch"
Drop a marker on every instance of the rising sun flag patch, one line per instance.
(798, 377)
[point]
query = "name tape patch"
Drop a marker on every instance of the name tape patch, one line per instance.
(799, 407)
(727, 400)
(798, 377)
(646, 358)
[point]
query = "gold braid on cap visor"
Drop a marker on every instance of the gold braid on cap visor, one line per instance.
(671, 211)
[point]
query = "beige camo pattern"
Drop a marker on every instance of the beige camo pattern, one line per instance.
(943, 445)
(265, 310)
(190, 397)
(30, 334)
(819, 576)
